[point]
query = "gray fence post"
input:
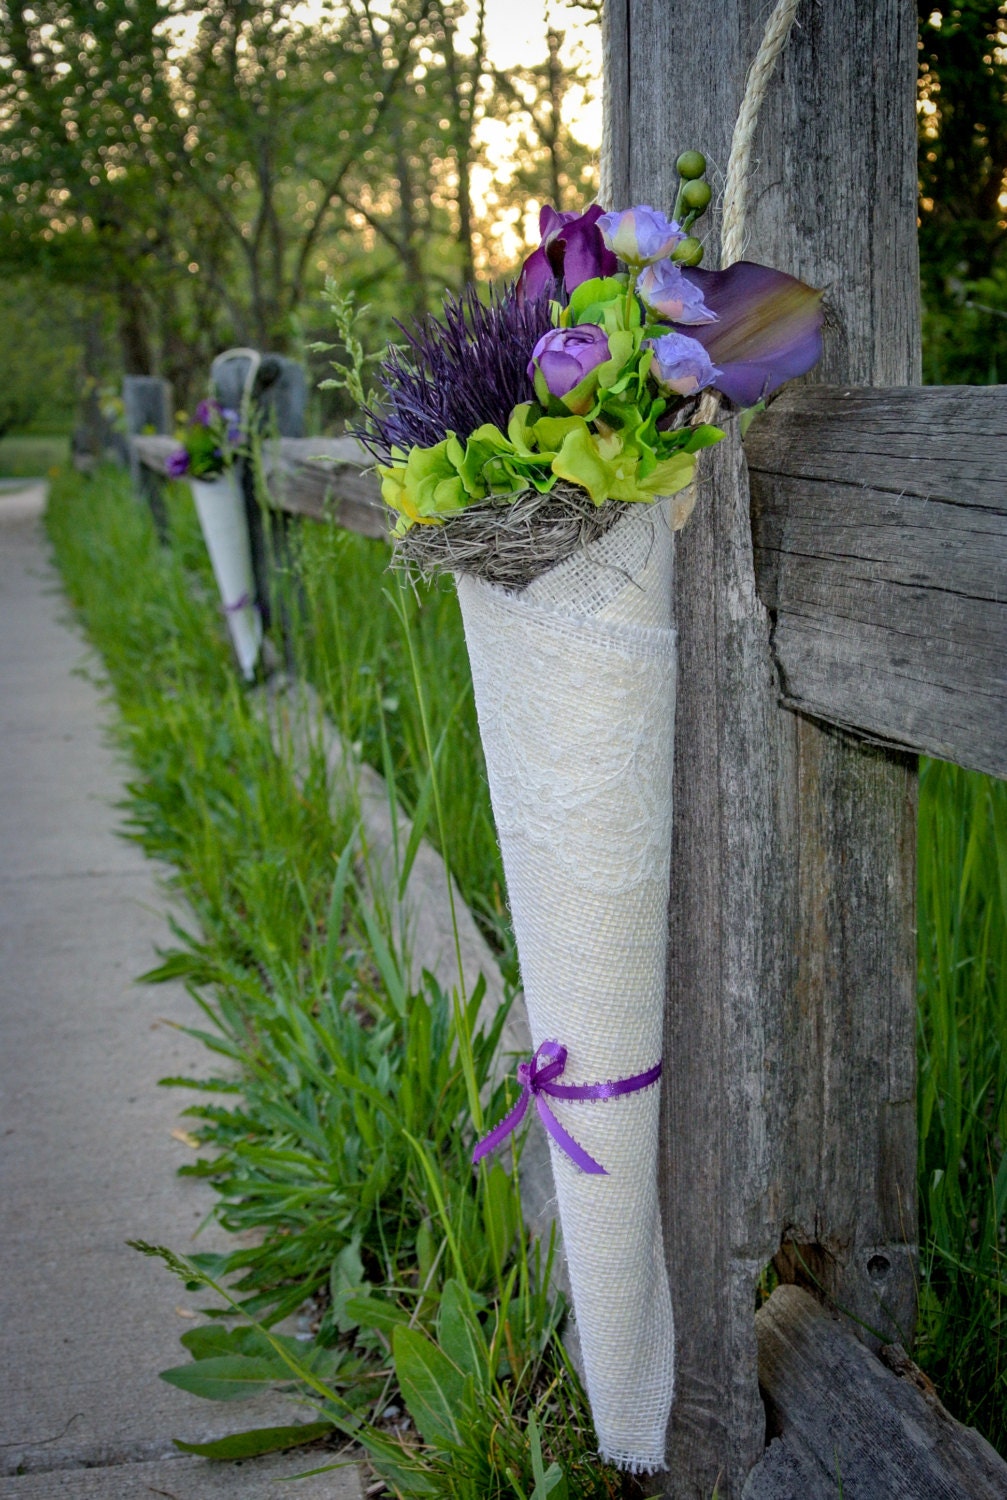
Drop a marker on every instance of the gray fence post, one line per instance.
(278, 404)
(790, 1124)
(147, 403)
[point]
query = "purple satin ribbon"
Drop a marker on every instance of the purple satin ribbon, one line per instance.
(537, 1078)
(241, 603)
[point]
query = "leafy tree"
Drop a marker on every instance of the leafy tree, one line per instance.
(963, 136)
(204, 164)
(963, 189)
(42, 355)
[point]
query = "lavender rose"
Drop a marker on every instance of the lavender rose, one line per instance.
(640, 235)
(681, 364)
(564, 359)
(667, 291)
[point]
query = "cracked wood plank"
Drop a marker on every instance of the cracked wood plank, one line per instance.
(842, 1420)
(880, 526)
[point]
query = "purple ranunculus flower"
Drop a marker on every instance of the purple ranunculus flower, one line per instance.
(207, 412)
(565, 356)
(640, 235)
(572, 251)
(667, 291)
(177, 464)
(682, 364)
(768, 328)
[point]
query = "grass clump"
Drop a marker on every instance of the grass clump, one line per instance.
(962, 1100)
(31, 457)
(338, 1126)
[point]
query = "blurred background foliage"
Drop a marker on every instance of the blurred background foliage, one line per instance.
(179, 177)
(963, 191)
(185, 176)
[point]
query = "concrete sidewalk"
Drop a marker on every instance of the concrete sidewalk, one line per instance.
(88, 1152)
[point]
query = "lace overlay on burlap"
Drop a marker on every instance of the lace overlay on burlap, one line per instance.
(575, 689)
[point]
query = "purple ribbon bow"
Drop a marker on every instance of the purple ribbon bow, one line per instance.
(537, 1078)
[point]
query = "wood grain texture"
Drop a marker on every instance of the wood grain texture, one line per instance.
(323, 478)
(790, 1030)
(880, 524)
(837, 1413)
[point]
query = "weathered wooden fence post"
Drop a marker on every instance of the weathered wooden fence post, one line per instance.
(790, 1066)
(147, 404)
(278, 399)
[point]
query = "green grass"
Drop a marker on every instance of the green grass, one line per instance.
(354, 648)
(30, 457)
(338, 1128)
(963, 1092)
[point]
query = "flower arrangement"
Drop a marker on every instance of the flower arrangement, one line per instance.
(513, 431)
(212, 443)
(541, 445)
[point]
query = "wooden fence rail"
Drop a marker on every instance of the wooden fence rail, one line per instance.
(880, 537)
(880, 529)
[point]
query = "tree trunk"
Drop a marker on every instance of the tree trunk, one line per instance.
(137, 354)
(790, 1042)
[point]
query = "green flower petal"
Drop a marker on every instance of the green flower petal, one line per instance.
(579, 462)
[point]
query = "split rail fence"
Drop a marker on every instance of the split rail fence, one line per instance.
(841, 605)
(879, 550)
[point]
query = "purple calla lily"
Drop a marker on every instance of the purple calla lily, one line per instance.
(572, 250)
(768, 328)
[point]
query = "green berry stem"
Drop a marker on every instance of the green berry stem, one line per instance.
(632, 276)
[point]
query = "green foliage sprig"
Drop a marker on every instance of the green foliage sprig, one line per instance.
(348, 376)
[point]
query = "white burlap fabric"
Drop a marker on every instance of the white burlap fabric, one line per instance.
(575, 689)
(221, 509)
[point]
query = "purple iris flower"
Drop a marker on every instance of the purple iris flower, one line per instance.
(667, 291)
(177, 464)
(768, 328)
(682, 364)
(640, 235)
(566, 355)
(572, 250)
(207, 412)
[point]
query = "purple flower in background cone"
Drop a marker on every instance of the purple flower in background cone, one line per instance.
(207, 412)
(177, 464)
(768, 329)
(572, 251)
